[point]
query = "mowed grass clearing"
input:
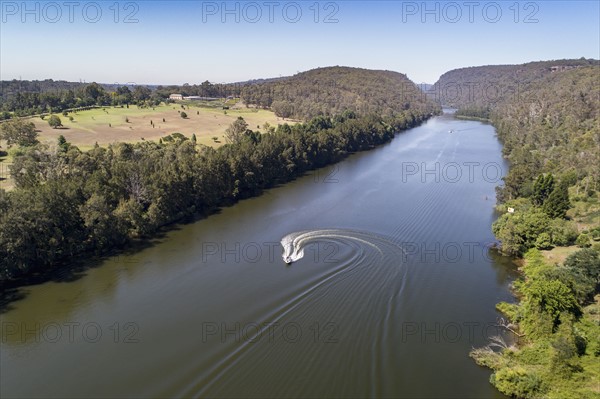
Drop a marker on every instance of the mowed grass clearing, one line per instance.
(114, 124)
(559, 254)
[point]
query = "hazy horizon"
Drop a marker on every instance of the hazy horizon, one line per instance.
(270, 77)
(162, 43)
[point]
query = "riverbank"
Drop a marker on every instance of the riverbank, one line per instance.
(556, 323)
(472, 118)
(139, 211)
(555, 319)
(193, 299)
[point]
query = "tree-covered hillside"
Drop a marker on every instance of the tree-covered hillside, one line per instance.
(553, 127)
(333, 90)
(483, 87)
(551, 136)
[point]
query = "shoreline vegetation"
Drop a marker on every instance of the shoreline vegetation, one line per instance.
(555, 328)
(44, 201)
(550, 201)
(70, 204)
(473, 118)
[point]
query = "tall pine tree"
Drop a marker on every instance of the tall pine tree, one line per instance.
(557, 204)
(543, 187)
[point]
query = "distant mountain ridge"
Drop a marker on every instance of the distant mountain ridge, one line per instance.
(333, 90)
(483, 86)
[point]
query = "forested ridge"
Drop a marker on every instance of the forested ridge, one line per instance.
(69, 203)
(331, 90)
(481, 88)
(547, 115)
(550, 132)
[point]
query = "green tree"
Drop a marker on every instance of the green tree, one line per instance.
(141, 93)
(517, 382)
(183, 115)
(583, 241)
(54, 121)
(542, 188)
(586, 262)
(557, 204)
(62, 143)
(518, 232)
(94, 93)
(235, 132)
(17, 131)
(567, 345)
(543, 241)
(283, 109)
(124, 95)
(550, 297)
(563, 232)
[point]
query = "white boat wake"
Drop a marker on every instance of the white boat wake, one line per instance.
(294, 243)
(368, 274)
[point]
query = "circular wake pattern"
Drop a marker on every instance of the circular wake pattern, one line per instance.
(340, 311)
(294, 243)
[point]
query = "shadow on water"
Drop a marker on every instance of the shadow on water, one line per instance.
(78, 267)
(507, 270)
(74, 270)
(8, 296)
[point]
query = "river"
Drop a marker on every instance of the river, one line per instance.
(395, 286)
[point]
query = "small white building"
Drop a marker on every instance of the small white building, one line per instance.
(511, 210)
(176, 97)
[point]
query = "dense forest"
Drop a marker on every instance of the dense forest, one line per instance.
(329, 91)
(547, 115)
(69, 203)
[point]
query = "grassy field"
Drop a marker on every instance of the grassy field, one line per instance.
(559, 254)
(113, 124)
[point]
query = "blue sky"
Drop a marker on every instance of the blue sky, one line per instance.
(176, 42)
